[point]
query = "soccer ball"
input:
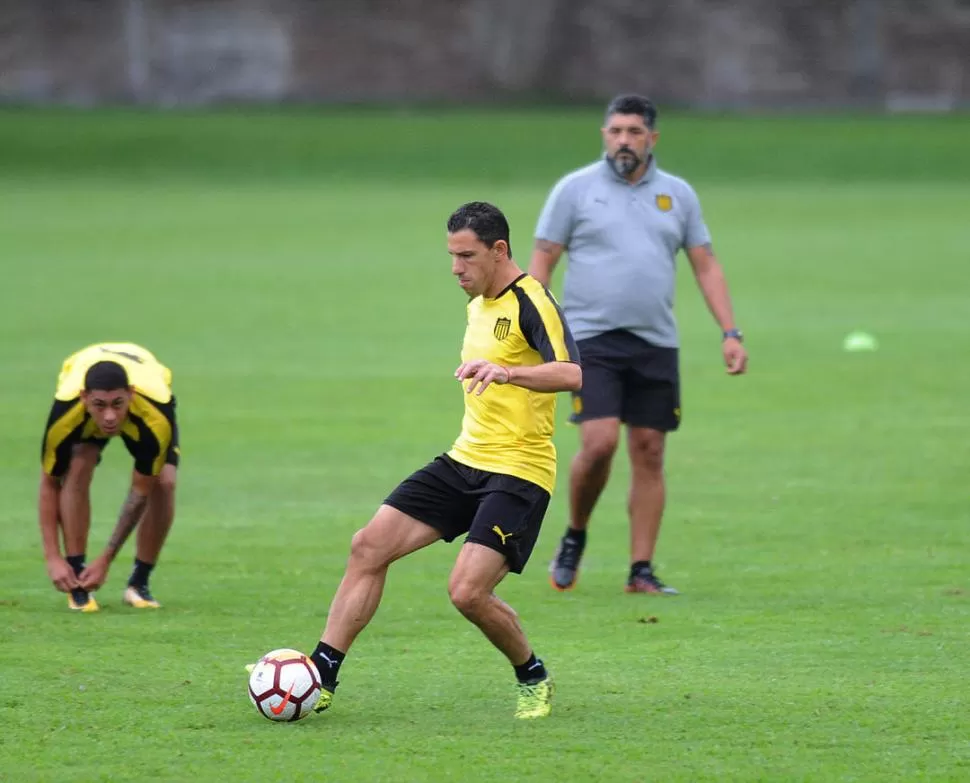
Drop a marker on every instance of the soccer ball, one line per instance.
(284, 685)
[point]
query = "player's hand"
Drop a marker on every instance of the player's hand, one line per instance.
(482, 373)
(61, 574)
(94, 575)
(735, 357)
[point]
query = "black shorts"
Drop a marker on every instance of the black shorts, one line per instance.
(174, 453)
(501, 512)
(626, 377)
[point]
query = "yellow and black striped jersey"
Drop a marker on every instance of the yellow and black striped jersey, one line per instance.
(149, 433)
(508, 429)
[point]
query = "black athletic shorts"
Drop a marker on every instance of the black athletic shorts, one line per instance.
(501, 512)
(627, 378)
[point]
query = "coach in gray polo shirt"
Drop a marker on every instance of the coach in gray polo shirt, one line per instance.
(622, 221)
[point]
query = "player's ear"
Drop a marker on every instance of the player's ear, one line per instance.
(501, 247)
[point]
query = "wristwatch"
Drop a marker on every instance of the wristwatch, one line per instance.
(735, 333)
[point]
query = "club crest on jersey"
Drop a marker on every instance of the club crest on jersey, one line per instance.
(664, 202)
(502, 327)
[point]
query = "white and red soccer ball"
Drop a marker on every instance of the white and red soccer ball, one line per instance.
(284, 685)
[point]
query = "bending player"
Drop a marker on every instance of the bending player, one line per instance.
(103, 391)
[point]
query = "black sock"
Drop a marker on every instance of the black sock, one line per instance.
(328, 660)
(578, 536)
(76, 562)
(140, 573)
(640, 566)
(531, 672)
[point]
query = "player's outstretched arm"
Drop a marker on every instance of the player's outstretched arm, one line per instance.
(134, 506)
(549, 377)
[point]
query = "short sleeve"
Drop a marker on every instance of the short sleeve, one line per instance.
(156, 426)
(695, 232)
(558, 214)
(544, 326)
(61, 434)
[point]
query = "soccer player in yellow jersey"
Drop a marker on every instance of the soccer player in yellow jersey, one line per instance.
(495, 482)
(103, 391)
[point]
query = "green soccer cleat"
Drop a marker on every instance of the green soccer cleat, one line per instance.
(324, 702)
(535, 700)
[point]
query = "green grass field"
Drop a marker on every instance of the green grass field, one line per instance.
(291, 269)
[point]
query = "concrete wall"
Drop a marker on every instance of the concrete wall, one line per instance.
(702, 53)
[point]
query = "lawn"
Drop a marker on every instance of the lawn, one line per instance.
(291, 269)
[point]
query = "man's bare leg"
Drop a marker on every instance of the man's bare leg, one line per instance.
(74, 517)
(153, 530)
(477, 572)
(75, 500)
(474, 578)
(389, 536)
(646, 508)
(588, 474)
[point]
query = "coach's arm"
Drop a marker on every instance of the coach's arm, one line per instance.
(545, 256)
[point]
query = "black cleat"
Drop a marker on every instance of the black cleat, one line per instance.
(564, 568)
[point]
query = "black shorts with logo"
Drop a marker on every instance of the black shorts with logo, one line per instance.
(626, 377)
(499, 511)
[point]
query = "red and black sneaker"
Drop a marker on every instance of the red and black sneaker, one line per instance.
(645, 580)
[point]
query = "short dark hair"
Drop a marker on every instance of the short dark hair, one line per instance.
(634, 104)
(484, 219)
(105, 376)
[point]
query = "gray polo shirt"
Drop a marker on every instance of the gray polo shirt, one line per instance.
(622, 242)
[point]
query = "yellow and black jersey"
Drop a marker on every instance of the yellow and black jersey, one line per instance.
(509, 429)
(150, 432)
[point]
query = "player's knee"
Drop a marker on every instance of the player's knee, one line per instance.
(600, 447)
(367, 550)
(647, 450)
(83, 462)
(167, 479)
(468, 598)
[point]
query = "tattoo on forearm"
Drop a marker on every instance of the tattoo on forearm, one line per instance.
(131, 512)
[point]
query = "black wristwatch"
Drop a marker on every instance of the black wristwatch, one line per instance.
(735, 333)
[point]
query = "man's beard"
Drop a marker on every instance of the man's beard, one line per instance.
(624, 164)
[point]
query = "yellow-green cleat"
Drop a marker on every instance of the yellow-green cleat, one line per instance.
(535, 700)
(324, 702)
